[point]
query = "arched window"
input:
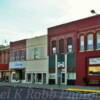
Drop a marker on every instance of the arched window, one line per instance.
(61, 46)
(53, 47)
(98, 40)
(69, 45)
(82, 43)
(90, 41)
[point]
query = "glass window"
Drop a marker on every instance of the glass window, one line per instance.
(0, 58)
(38, 53)
(53, 47)
(39, 77)
(90, 42)
(71, 75)
(98, 40)
(69, 45)
(23, 54)
(12, 56)
(61, 46)
(82, 43)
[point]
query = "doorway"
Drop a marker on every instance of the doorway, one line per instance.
(62, 78)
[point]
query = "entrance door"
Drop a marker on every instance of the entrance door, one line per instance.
(62, 78)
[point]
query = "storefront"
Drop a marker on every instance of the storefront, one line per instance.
(36, 74)
(4, 73)
(37, 60)
(17, 71)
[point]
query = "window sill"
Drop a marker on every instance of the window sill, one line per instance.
(98, 49)
(40, 59)
(90, 50)
(82, 51)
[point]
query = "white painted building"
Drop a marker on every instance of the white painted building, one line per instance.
(37, 60)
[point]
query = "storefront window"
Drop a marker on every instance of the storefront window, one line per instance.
(39, 77)
(98, 40)
(14, 76)
(29, 77)
(90, 41)
(82, 43)
(71, 76)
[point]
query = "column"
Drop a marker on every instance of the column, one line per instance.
(56, 70)
(42, 78)
(47, 78)
(35, 77)
(66, 69)
(25, 77)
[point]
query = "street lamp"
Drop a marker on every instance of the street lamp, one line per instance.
(93, 12)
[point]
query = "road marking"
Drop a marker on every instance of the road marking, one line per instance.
(83, 90)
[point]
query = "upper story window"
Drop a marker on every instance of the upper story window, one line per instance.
(0, 58)
(69, 45)
(98, 40)
(82, 43)
(17, 55)
(90, 41)
(53, 47)
(38, 53)
(6, 57)
(61, 46)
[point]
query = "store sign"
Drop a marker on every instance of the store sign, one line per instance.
(94, 61)
(61, 64)
(17, 65)
(51, 76)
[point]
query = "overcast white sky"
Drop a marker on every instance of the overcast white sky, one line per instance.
(20, 19)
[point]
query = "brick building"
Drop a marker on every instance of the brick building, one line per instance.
(4, 63)
(17, 63)
(74, 48)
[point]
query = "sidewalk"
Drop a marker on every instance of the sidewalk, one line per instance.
(62, 87)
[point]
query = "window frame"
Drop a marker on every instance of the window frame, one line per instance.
(81, 50)
(61, 47)
(88, 48)
(53, 47)
(97, 40)
(70, 44)
(37, 56)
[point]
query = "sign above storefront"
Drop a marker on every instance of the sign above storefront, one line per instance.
(52, 76)
(94, 61)
(17, 65)
(60, 64)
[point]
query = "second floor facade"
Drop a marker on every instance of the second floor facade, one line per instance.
(18, 51)
(36, 48)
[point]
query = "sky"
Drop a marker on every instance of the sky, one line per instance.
(22, 19)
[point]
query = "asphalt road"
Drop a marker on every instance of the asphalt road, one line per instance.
(31, 93)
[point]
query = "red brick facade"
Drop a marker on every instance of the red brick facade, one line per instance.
(75, 29)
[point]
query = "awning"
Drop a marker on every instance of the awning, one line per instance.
(4, 67)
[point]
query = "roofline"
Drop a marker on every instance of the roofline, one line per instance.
(70, 22)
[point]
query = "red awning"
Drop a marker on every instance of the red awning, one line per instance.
(3, 66)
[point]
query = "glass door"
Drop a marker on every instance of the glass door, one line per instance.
(62, 78)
